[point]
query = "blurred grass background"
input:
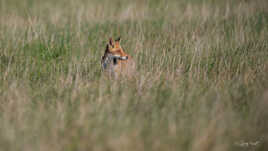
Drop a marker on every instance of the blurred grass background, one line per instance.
(201, 83)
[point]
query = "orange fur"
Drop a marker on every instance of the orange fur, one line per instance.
(116, 61)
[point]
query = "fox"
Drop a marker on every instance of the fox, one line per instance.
(116, 61)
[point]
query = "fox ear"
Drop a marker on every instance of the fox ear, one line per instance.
(108, 48)
(111, 42)
(117, 42)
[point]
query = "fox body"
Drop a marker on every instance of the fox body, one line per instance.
(115, 61)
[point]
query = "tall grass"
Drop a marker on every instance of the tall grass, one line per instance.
(201, 82)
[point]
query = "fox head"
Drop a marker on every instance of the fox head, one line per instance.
(115, 61)
(114, 54)
(114, 48)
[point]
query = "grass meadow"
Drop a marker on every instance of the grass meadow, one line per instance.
(201, 82)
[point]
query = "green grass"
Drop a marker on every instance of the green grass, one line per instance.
(201, 82)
